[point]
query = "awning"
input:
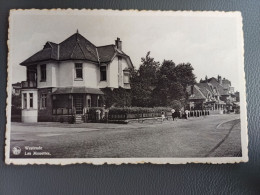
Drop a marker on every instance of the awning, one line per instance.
(70, 90)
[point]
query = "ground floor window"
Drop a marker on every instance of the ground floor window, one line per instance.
(43, 100)
(31, 100)
(98, 101)
(88, 101)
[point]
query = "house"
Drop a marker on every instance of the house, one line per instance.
(211, 94)
(66, 78)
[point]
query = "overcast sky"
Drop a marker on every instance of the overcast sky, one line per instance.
(210, 44)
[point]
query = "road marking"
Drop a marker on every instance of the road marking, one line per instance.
(225, 138)
(49, 134)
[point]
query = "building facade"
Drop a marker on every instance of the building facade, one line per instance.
(67, 78)
(211, 94)
(16, 89)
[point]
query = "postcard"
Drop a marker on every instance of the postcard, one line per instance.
(110, 86)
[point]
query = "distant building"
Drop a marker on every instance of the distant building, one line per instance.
(67, 78)
(237, 95)
(16, 89)
(211, 94)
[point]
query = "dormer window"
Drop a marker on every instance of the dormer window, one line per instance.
(103, 73)
(126, 78)
(78, 71)
(43, 72)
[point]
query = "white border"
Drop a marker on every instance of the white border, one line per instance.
(118, 161)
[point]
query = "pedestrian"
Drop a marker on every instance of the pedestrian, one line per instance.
(103, 112)
(186, 114)
(163, 116)
(173, 114)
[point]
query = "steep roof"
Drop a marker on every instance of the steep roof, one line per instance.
(69, 90)
(106, 53)
(76, 47)
(206, 88)
(226, 81)
(218, 86)
(197, 93)
(214, 82)
(17, 85)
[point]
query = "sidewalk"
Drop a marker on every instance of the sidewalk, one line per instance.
(135, 123)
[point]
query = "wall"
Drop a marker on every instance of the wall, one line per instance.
(29, 115)
(66, 75)
(51, 79)
(62, 74)
(113, 73)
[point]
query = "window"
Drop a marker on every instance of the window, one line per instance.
(78, 71)
(43, 73)
(43, 100)
(25, 100)
(103, 73)
(126, 77)
(31, 100)
(89, 100)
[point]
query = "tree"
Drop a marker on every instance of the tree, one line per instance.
(184, 74)
(172, 83)
(143, 81)
(165, 85)
(148, 70)
(119, 97)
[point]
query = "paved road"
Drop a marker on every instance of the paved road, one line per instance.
(217, 135)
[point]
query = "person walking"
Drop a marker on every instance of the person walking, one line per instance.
(186, 114)
(163, 116)
(173, 114)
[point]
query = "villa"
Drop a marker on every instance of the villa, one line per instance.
(66, 78)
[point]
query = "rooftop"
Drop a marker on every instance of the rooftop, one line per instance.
(76, 47)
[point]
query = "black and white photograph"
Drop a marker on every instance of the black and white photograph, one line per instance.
(109, 86)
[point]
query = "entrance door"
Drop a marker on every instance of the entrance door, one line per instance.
(78, 103)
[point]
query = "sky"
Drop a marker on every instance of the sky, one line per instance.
(208, 41)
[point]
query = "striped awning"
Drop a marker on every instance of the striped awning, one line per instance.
(73, 90)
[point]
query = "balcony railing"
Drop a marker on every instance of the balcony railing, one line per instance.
(29, 84)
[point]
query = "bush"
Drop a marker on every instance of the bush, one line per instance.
(93, 110)
(138, 110)
(71, 119)
(61, 120)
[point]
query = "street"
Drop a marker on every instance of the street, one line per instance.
(210, 136)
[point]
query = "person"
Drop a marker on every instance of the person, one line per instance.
(186, 114)
(163, 116)
(103, 112)
(98, 115)
(173, 114)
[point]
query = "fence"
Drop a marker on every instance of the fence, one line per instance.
(195, 113)
(92, 117)
(61, 111)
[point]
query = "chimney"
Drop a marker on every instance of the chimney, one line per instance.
(219, 80)
(118, 43)
(192, 89)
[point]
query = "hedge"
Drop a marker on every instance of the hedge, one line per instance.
(132, 110)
